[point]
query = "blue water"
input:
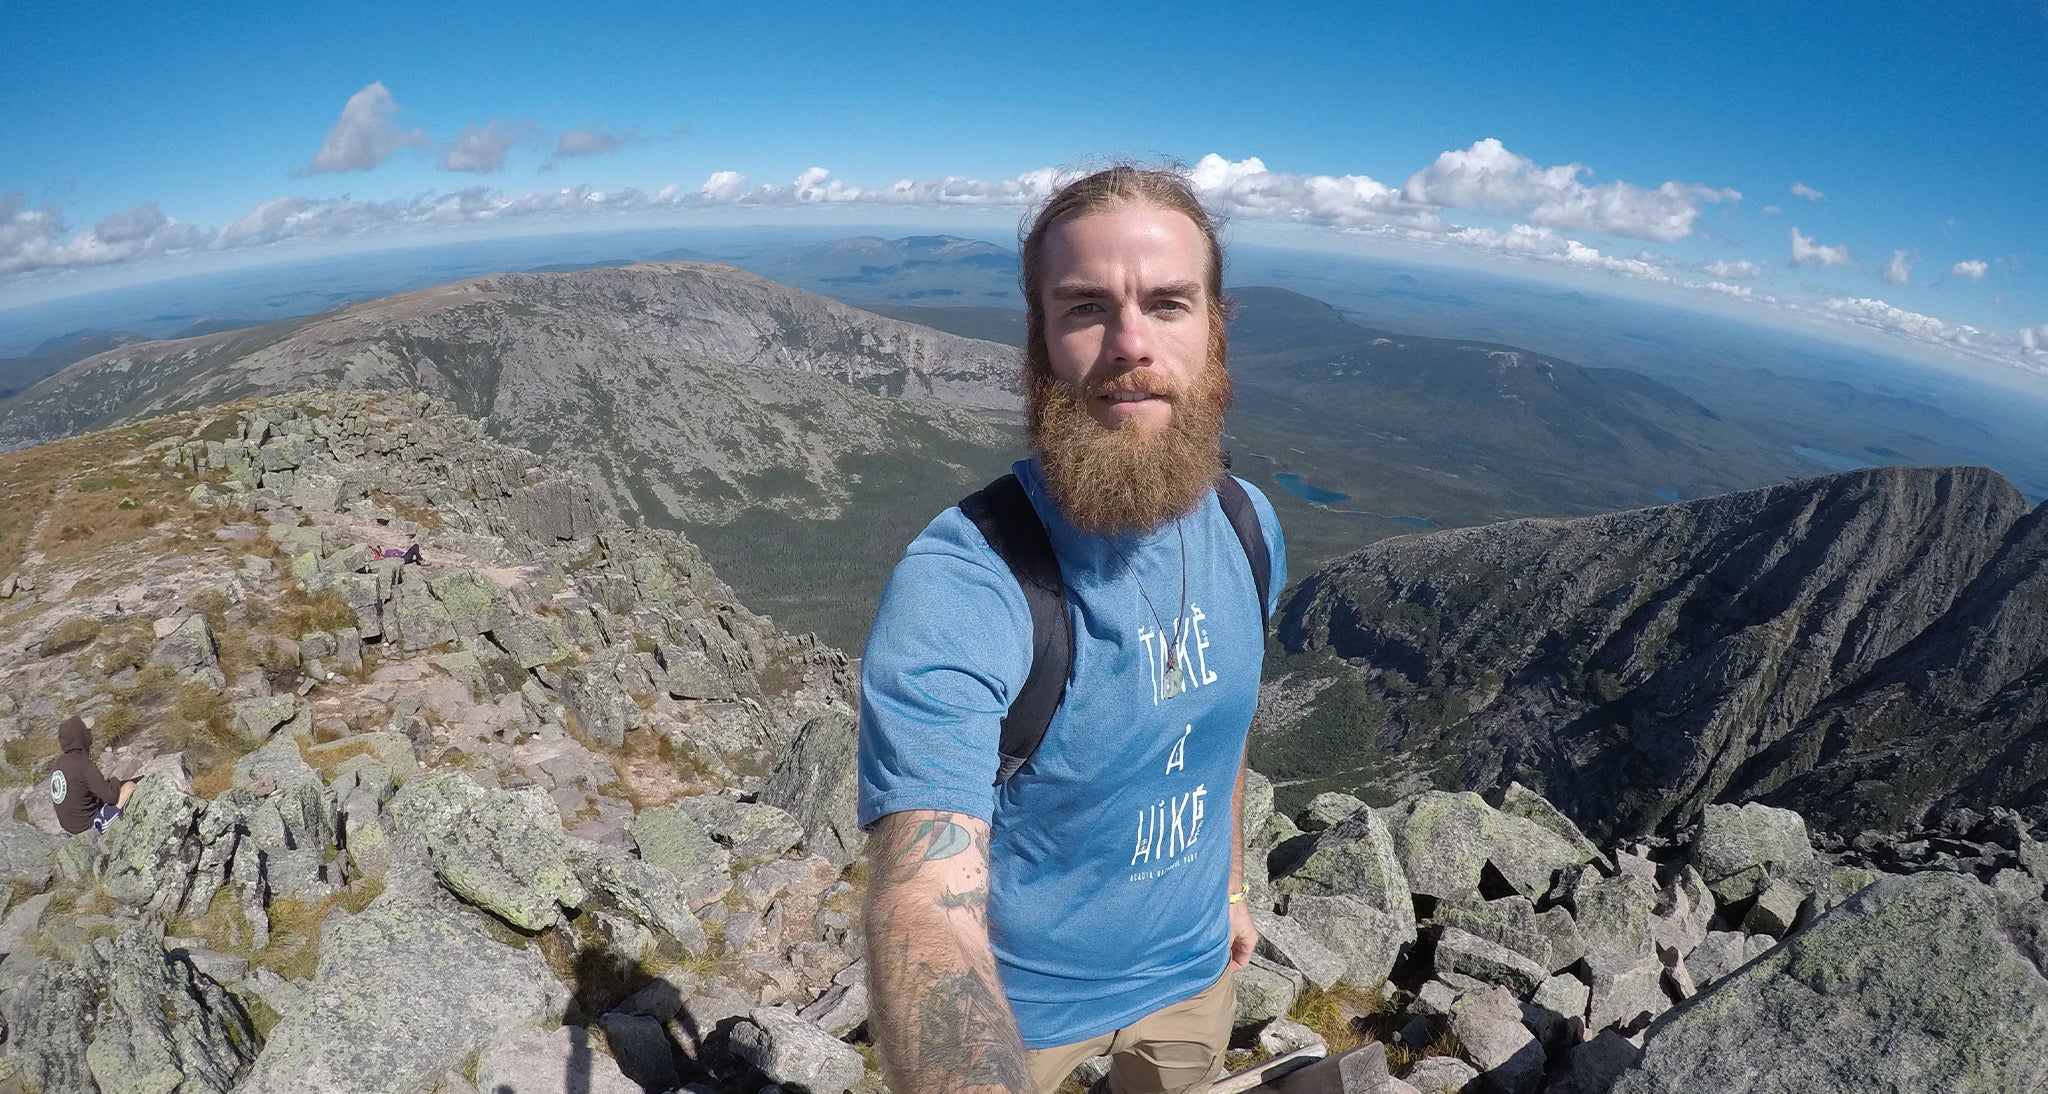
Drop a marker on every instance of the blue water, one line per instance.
(1830, 460)
(1665, 494)
(1414, 522)
(1292, 483)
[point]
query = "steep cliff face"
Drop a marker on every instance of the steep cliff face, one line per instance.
(1954, 720)
(1642, 664)
(689, 392)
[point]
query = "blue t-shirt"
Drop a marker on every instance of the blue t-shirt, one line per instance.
(1110, 849)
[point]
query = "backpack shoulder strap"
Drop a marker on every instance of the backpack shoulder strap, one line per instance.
(1003, 513)
(1244, 520)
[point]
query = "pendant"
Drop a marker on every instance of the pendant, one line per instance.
(1173, 684)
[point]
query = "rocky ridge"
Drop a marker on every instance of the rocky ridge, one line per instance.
(1865, 647)
(550, 809)
(683, 391)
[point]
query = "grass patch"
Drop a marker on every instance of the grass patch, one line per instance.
(1401, 1059)
(294, 948)
(72, 634)
(1340, 1015)
(115, 725)
(214, 605)
(128, 645)
(197, 704)
(333, 757)
(26, 751)
(411, 509)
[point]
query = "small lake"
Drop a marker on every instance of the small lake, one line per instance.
(1830, 460)
(1665, 494)
(1292, 483)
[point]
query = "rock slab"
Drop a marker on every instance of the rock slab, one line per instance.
(1865, 999)
(406, 990)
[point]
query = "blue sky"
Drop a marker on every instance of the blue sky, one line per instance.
(1881, 165)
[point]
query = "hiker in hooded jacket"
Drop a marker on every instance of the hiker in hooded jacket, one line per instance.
(1056, 865)
(83, 795)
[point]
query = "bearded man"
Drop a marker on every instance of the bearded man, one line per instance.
(1022, 918)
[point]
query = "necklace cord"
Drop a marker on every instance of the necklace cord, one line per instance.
(1173, 641)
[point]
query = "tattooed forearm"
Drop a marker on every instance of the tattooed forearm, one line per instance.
(939, 1013)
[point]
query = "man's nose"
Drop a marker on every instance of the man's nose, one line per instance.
(1130, 343)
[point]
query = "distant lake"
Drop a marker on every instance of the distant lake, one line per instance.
(1292, 483)
(1665, 494)
(1830, 460)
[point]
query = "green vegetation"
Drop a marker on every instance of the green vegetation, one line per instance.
(826, 576)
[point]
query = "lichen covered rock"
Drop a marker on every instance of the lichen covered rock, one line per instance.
(405, 991)
(126, 1017)
(1918, 983)
(502, 850)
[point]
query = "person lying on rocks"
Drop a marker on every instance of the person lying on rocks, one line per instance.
(83, 795)
(409, 554)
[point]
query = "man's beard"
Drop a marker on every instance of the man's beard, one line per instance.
(1117, 480)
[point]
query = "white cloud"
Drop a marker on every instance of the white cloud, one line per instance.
(1741, 269)
(1972, 268)
(1533, 242)
(1926, 328)
(1488, 176)
(1808, 192)
(1245, 188)
(33, 239)
(366, 135)
(1805, 252)
(1726, 289)
(723, 186)
(1898, 269)
(1773, 210)
(482, 148)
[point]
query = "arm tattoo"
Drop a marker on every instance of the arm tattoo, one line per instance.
(962, 1027)
(941, 1019)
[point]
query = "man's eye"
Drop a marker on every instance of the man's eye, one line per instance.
(1086, 307)
(1171, 305)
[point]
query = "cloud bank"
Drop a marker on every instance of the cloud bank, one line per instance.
(1551, 202)
(366, 135)
(34, 239)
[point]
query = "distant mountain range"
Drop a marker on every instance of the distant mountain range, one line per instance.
(1870, 648)
(803, 442)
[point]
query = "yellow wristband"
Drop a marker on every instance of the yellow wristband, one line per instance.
(1238, 896)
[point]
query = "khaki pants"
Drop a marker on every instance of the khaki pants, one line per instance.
(1173, 1049)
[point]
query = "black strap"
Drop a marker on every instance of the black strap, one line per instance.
(1003, 513)
(1244, 520)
